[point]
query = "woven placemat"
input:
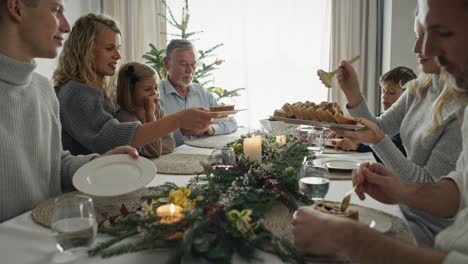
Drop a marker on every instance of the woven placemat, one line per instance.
(278, 221)
(105, 206)
(180, 164)
(211, 142)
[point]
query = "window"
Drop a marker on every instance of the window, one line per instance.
(272, 48)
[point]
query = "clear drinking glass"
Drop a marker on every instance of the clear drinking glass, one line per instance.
(222, 158)
(302, 132)
(74, 222)
(314, 180)
(316, 141)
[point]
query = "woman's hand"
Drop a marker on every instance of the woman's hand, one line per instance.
(370, 134)
(348, 81)
(378, 182)
(196, 121)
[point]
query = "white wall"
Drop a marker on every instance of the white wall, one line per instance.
(398, 35)
(73, 10)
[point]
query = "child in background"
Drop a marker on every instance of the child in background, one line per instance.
(391, 83)
(138, 100)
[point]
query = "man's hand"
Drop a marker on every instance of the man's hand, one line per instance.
(319, 233)
(378, 182)
(121, 150)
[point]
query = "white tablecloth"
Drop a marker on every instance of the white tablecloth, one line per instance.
(23, 241)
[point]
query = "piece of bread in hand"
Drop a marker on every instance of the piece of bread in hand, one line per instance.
(333, 208)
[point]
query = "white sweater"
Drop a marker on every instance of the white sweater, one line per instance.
(454, 239)
(33, 166)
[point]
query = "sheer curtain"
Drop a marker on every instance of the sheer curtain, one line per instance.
(356, 30)
(140, 24)
(272, 48)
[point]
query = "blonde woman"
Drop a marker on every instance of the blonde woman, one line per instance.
(428, 117)
(138, 100)
(89, 56)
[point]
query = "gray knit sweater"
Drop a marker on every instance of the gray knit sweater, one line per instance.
(33, 166)
(429, 157)
(87, 126)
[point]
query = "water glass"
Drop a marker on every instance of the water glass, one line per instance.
(74, 222)
(316, 141)
(302, 132)
(314, 180)
(222, 158)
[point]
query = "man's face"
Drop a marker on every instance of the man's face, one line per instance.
(445, 23)
(181, 67)
(42, 29)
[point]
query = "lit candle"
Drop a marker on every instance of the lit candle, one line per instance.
(253, 148)
(280, 140)
(170, 213)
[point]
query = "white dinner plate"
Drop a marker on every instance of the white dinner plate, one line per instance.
(338, 163)
(229, 112)
(114, 175)
(373, 218)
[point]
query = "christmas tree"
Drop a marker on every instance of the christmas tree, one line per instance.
(207, 63)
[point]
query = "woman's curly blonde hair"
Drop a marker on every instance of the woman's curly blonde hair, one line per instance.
(76, 62)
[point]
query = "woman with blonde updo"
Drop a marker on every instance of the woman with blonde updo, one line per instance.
(89, 57)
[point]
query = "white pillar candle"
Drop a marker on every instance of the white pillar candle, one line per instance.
(280, 140)
(253, 148)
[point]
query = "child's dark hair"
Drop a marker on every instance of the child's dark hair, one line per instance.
(399, 75)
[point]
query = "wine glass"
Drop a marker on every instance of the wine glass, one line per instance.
(222, 158)
(74, 222)
(314, 180)
(316, 141)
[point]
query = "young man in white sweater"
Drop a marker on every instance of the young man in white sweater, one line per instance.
(445, 38)
(33, 165)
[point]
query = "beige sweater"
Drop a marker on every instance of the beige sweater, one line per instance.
(161, 146)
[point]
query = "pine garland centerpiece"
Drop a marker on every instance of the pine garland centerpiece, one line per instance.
(218, 214)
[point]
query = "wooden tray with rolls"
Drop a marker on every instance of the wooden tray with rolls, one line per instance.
(324, 114)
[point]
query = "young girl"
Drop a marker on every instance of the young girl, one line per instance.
(89, 56)
(138, 100)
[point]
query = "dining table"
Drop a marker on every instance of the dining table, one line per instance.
(22, 241)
